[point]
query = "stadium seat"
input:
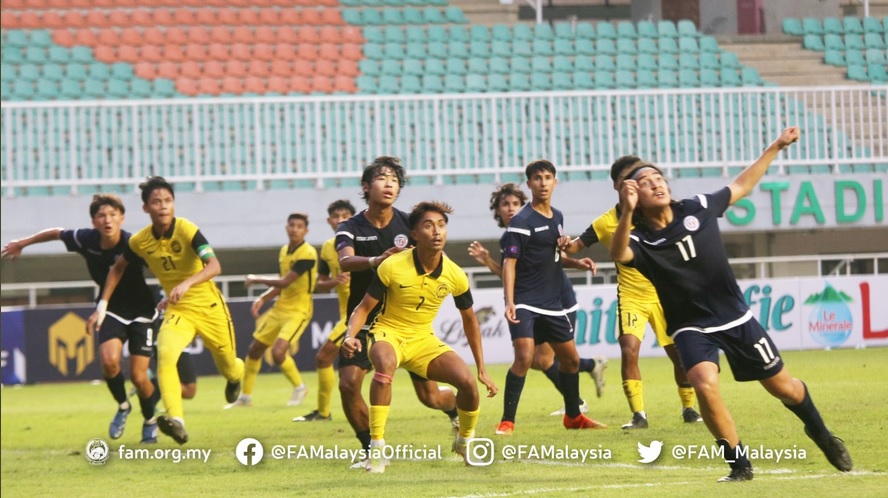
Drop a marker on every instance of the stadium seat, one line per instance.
(875, 56)
(455, 15)
(709, 61)
(877, 73)
(834, 58)
(585, 30)
(605, 30)
(688, 45)
(543, 32)
(582, 80)
(813, 42)
(874, 40)
(833, 26)
(812, 26)
(855, 58)
(519, 82)
(626, 46)
(625, 79)
(626, 29)
(431, 15)
(497, 83)
(454, 83)
(604, 63)
(833, 42)
(872, 25)
(604, 80)
(852, 25)
(668, 46)
(561, 64)
(667, 79)
(857, 73)
(667, 29)
(688, 61)
(646, 62)
(854, 42)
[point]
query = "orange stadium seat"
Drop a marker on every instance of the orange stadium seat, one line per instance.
(196, 52)
(269, 16)
(352, 34)
(190, 69)
(307, 52)
(299, 84)
(162, 17)
(321, 84)
(330, 34)
(36, 4)
(131, 36)
(325, 67)
(208, 86)
(254, 84)
(241, 52)
(221, 34)
(198, 34)
(312, 16)
(63, 37)
(106, 54)
(281, 68)
(237, 69)
(141, 17)
(258, 68)
(145, 70)
(14, 4)
(218, 52)
(348, 68)
(173, 52)
(285, 51)
(29, 20)
(352, 51)
(168, 70)
(151, 53)
(97, 19)
(329, 52)
(263, 52)
(53, 20)
(332, 17)
(80, 4)
(248, 16)
(303, 68)
(74, 19)
(214, 69)
(242, 34)
(230, 84)
(105, 4)
(291, 17)
(119, 18)
(344, 84)
(184, 17)
(265, 34)
(108, 36)
(308, 35)
(227, 16)
(9, 20)
(186, 87)
(287, 34)
(85, 37)
(205, 16)
(175, 34)
(277, 84)
(128, 54)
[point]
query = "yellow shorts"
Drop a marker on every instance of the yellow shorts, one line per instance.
(213, 324)
(634, 317)
(285, 325)
(414, 353)
(337, 335)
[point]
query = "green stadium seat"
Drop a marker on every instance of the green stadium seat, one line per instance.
(833, 42)
(688, 45)
(13, 55)
(499, 65)
(499, 32)
(367, 84)
(35, 55)
(454, 83)
(877, 73)
(585, 30)
(667, 29)
(497, 83)
(872, 25)
(411, 84)
(854, 42)
(667, 79)
(476, 65)
(163, 88)
(140, 89)
(29, 72)
(605, 63)
(391, 16)
(353, 17)
(542, 47)
(7, 72)
(584, 64)
(687, 78)
(457, 33)
(563, 47)
(709, 61)
(625, 79)
(455, 15)
(626, 29)
(857, 73)
(82, 55)
(668, 46)
(605, 46)
(458, 49)
(854, 58)
(562, 81)
(730, 60)
(585, 46)
(475, 83)
(415, 34)
(439, 34)
(388, 85)
(435, 67)
(99, 71)
(519, 82)
(709, 44)
(413, 16)
(19, 39)
(22, 90)
(646, 79)
(832, 26)
(543, 32)
(687, 61)
(875, 56)
(390, 67)
(563, 31)
(416, 51)
(668, 62)
(40, 38)
(874, 40)
(431, 83)
(626, 46)
(606, 30)
(582, 80)
(792, 26)
(479, 33)
(58, 55)
(834, 58)
(648, 46)
(480, 49)
(625, 62)
(53, 72)
(812, 26)
(117, 89)
(413, 67)
(46, 90)
(540, 82)
(392, 34)
(686, 28)
(520, 65)
(852, 25)
(393, 51)
(540, 64)
(122, 71)
(604, 80)
(813, 42)
(750, 76)
(646, 62)
(456, 65)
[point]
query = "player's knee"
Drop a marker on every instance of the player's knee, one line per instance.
(189, 390)
(349, 388)
(110, 369)
(279, 356)
(257, 349)
(140, 379)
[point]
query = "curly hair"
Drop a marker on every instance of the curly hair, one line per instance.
(501, 193)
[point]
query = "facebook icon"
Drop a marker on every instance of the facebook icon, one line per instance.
(249, 452)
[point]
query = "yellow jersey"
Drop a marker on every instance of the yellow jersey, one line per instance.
(631, 284)
(175, 256)
(330, 258)
(411, 297)
(304, 261)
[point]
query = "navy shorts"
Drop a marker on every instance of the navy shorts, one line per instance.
(542, 328)
(140, 337)
(750, 352)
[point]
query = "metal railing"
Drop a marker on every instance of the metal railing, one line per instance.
(480, 277)
(272, 142)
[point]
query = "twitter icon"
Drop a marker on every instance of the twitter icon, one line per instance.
(650, 453)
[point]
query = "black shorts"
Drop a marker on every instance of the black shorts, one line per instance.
(362, 360)
(141, 337)
(750, 352)
(542, 328)
(185, 367)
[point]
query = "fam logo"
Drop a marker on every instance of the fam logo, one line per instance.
(442, 291)
(401, 241)
(69, 341)
(176, 246)
(830, 322)
(97, 452)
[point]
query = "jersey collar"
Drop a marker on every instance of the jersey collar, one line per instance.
(291, 251)
(421, 271)
(168, 234)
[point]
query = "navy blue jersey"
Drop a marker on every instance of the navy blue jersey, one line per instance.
(532, 239)
(132, 298)
(568, 296)
(367, 240)
(687, 263)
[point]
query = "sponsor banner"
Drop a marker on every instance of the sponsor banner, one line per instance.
(12, 337)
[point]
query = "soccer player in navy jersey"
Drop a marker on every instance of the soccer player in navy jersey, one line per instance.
(131, 311)
(678, 247)
(505, 201)
(533, 283)
(363, 242)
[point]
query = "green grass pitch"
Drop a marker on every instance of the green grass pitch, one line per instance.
(45, 429)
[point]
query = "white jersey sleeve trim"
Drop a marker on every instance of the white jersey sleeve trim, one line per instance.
(703, 201)
(522, 231)
(347, 234)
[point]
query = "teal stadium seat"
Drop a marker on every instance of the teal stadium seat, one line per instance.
(668, 46)
(812, 26)
(542, 47)
(875, 56)
(646, 79)
(475, 83)
(750, 77)
(540, 64)
(140, 89)
(564, 31)
(431, 83)
(415, 34)
(834, 58)
(413, 16)
(561, 81)
(435, 67)
(688, 45)
(852, 26)
(832, 26)
(563, 47)
(646, 62)
(877, 73)
(390, 67)
(709, 44)
(520, 65)
(813, 42)
(540, 82)
(792, 26)
(730, 60)
(497, 83)
(393, 34)
(58, 55)
(626, 46)
(854, 42)
(117, 89)
(458, 49)
(29, 72)
(455, 15)
(40, 38)
(667, 79)
(456, 33)
(163, 88)
(626, 29)
(519, 82)
(854, 58)
(709, 61)
(857, 73)
(686, 28)
(13, 55)
(456, 65)
(499, 65)
(454, 83)
(833, 42)
(389, 85)
(872, 25)
(7, 72)
(416, 51)
(667, 29)
(367, 84)
(687, 61)
(585, 30)
(582, 80)
(606, 30)
(99, 71)
(874, 40)
(35, 55)
(625, 62)
(393, 51)
(604, 63)
(413, 67)
(625, 79)
(500, 32)
(46, 90)
(411, 84)
(605, 46)
(584, 46)
(479, 33)
(53, 72)
(543, 32)
(82, 55)
(668, 62)
(647, 29)
(604, 80)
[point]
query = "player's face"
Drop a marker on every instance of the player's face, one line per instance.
(653, 191)
(542, 184)
(161, 207)
(296, 231)
(338, 217)
(508, 206)
(383, 188)
(431, 231)
(108, 221)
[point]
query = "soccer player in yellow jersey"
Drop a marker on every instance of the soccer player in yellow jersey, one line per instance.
(413, 284)
(330, 276)
(284, 324)
(638, 305)
(184, 262)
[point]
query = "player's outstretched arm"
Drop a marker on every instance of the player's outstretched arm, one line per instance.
(115, 274)
(619, 249)
(473, 337)
(277, 283)
(358, 318)
(585, 264)
(571, 246)
(326, 284)
(749, 177)
(480, 254)
(13, 248)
